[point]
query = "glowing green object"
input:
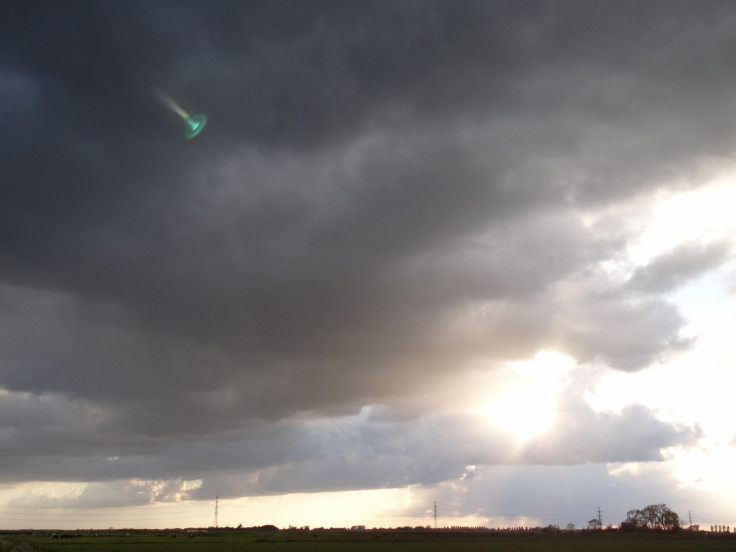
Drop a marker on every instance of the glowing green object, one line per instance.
(194, 125)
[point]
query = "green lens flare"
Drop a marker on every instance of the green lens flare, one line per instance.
(194, 125)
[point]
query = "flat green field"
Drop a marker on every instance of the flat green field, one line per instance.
(369, 541)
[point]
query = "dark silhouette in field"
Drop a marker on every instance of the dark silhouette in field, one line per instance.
(655, 517)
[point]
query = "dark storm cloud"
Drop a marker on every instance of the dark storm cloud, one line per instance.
(384, 193)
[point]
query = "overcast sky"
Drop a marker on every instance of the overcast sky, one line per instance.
(478, 253)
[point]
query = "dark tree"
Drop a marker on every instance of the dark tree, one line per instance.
(655, 517)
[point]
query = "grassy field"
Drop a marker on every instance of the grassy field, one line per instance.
(369, 541)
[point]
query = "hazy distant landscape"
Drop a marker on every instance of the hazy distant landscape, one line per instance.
(371, 540)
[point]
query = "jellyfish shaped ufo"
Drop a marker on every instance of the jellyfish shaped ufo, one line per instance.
(193, 124)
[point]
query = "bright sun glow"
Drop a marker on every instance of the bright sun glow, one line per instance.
(527, 407)
(525, 412)
(700, 216)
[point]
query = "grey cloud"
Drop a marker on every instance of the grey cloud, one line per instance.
(375, 447)
(633, 436)
(111, 494)
(372, 449)
(626, 335)
(675, 268)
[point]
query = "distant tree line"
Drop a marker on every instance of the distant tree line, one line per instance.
(655, 517)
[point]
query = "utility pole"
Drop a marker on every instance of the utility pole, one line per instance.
(600, 521)
(690, 517)
(217, 504)
(435, 514)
